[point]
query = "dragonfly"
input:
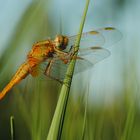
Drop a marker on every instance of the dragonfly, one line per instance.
(57, 53)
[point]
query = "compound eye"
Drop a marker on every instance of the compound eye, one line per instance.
(61, 42)
(64, 43)
(58, 41)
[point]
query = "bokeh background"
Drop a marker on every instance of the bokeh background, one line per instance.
(109, 92)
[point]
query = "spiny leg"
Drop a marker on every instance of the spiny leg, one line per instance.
(48, 68)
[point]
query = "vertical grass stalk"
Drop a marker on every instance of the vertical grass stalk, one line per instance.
(12, 128)
(58, 118)
(85, 115)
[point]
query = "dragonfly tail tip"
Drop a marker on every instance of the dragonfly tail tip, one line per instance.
(1, 95)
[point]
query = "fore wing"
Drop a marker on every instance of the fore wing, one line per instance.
(104, 37)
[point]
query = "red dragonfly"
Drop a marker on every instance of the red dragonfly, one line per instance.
(59, 52)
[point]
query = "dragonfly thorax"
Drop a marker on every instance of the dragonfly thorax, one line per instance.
(61, 42)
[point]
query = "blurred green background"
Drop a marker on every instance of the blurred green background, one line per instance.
(110, 90)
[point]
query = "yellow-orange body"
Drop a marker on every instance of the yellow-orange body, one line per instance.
(38, 54)
(53, 49)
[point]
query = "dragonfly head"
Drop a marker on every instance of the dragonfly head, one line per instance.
(61, 42)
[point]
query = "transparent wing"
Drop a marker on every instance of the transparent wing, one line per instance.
(101, 37)
(88, 55)
(94, 54)
(111, 35)
(87, 58)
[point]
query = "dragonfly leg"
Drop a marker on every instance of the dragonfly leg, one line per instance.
(48, 68)
(71, 47)
(71, 55)
(72, 52)
(56, 79)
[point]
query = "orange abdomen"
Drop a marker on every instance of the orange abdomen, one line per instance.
(21, 73)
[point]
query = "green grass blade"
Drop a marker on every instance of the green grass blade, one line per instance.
(129, 123)
(12, 128)
(58, 119)
(85, 114)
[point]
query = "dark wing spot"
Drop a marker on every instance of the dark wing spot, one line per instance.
(109, 28)
(94, 32)
(96, 47)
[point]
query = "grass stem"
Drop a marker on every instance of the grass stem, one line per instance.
(12, 128)
(55, 130)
